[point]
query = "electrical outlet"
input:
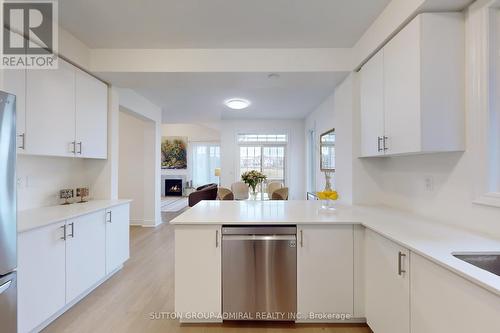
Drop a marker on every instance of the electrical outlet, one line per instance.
(429, 183)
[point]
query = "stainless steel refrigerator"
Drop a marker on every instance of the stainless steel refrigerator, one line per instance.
(8, 223)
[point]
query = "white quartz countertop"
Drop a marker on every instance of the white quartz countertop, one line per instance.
(40, 217)
(431, 239)
(264, 212)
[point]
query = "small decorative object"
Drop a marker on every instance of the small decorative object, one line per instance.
(328, 196)
(82, 193)
(66, 194)
(253, 178)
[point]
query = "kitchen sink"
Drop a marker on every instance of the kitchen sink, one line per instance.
(487, 261)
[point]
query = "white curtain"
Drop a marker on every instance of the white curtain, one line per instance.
(205, 158)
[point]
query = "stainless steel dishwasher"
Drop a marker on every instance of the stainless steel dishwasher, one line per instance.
(259, 272)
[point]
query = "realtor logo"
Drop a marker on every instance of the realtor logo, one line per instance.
(29, 38)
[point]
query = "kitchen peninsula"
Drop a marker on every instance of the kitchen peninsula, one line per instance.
(352, 265)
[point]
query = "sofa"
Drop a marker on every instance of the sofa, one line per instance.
(205, 192)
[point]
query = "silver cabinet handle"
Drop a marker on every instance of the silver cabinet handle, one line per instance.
(64, 232)
(72, 235)
(109, 217)
(379, 141)
(400, 264)
(5, 286)
(385, 143)
(216, 238)
(79, 150)
(301, 238)
(73, 143)
(23, 141)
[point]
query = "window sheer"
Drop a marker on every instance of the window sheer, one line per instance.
(205, 158)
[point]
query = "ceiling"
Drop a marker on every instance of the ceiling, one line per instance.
(199, 97)
(219, 23)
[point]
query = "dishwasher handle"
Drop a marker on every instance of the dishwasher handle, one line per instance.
(259, 237)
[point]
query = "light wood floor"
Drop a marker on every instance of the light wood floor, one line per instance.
(146, 285)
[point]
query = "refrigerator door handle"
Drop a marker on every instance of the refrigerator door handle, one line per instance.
(5, 286)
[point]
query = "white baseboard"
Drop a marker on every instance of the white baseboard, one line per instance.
(144, 223)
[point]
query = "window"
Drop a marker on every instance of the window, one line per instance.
(327, 144)
(206, 157)
(265, 153)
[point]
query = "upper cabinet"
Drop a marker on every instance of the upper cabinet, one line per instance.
(60, 112)
(50, 111)
(91, 116)
(372, 106)
(412, 91)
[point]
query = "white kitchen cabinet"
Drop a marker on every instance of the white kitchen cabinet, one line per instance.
(198, 270)
(91, 116)
(85, 253)
(387, 285)
(423, 84)
(41, 275)
(372, 106)
(14, 82)
(50, 111)
(325, 270)
(117, 237)
(442, 301)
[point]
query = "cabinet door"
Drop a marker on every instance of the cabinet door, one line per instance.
(442, 301)
(372, 106)
(41, 275)
(198, 270)
(402, 91)
(325, 270)
(91, 116)
(50, 111)
(85, 253)
(117, 237)
(387, 290)
(15, 83)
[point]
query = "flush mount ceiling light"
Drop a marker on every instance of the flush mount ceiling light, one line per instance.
(237, 103)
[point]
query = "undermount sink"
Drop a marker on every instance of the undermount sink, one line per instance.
(487, 261)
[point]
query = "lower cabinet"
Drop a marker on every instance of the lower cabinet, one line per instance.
(198, 271)
(60, 262)
(387, 285)
(442, 301)
(85, 253)
(325, 265)
(117, 237)
(41, 275)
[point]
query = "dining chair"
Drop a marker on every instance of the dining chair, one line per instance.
(240, 190)
(280, 194)
(273, 186)
(225, 194)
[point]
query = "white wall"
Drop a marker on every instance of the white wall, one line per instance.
(295, 167)
(335, 112)
(41, 178)
(136, 167)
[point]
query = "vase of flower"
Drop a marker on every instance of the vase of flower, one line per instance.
(252, 179)
(328, 196)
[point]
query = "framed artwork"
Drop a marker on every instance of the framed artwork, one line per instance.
(173, 152)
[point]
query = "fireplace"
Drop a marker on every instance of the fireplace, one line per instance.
(173, 187)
